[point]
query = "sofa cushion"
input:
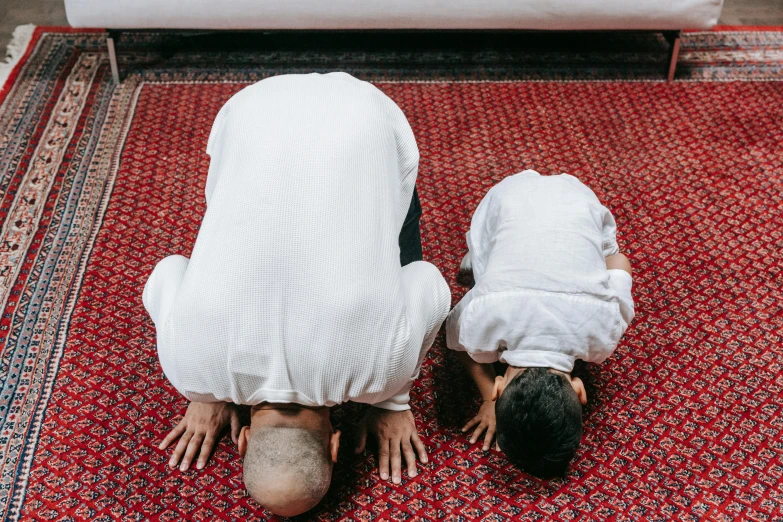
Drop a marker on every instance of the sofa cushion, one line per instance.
(395, 14)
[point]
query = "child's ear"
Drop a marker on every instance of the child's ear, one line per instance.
(500, 385)
(579, 388)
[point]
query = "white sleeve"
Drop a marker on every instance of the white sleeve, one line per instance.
(609, 234)
(408, 158)
(427, 302)
(158, 296)
(621, 282)
(482, 230)
(162, 286)
(453, 323)
(213, 149)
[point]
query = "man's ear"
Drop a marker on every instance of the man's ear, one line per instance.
(500, 385)
(579, 388)
(244, 436)
(334, 445)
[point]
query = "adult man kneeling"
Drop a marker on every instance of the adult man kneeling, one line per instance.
(305, 287)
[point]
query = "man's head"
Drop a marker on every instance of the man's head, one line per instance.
(539, 418)
(288, 456)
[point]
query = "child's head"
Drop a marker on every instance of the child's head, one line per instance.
(539, 419)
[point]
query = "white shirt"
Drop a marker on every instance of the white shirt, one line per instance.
(543, 296)
(294, 291)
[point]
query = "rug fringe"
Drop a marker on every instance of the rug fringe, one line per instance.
(16, 49)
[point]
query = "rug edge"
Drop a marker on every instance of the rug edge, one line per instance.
(16, 52)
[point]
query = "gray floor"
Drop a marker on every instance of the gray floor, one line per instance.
(52, 12)
(18, 12)
(752, 12)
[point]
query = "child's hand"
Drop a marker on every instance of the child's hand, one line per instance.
(484, 420)
(200, 431)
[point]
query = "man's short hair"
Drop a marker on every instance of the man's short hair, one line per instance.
(285, 463)
(539, 422)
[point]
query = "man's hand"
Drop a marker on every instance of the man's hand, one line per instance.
(199, 432)
(396, 434)
(484, 420)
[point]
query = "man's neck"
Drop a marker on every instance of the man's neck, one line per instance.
(288, 414)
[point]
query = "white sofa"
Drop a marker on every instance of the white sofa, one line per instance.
(668, 16)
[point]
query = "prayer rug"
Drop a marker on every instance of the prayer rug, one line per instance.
(100, 181)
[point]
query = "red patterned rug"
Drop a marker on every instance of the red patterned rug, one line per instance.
(99, 182)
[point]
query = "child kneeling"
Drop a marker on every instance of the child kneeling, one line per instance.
(550, 288)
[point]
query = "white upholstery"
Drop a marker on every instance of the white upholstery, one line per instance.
(395, 14)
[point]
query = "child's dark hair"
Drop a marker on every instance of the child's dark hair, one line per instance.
(539, 422)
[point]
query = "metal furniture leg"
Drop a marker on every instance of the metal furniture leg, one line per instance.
(673, 37)
(115, 71)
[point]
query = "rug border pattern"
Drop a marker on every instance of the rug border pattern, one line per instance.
(59, 294)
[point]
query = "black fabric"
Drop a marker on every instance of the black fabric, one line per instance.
(410, 235)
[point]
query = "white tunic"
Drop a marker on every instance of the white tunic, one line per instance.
(294, 290)
(543, 296)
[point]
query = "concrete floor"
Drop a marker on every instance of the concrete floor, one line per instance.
(752, 12)
(18, 12)
(52, 12)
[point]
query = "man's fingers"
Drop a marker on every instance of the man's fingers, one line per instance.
(362, 442)
(180, 449)
(173, 434)
(235, 427)
(206, 450)
(190, 453)
(410, 457)
(420, 449)
(396, 461)
(383, 458)
(472, 422)
(477, 432)
(488, 438)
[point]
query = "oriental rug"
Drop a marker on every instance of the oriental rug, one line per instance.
(99, 181)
